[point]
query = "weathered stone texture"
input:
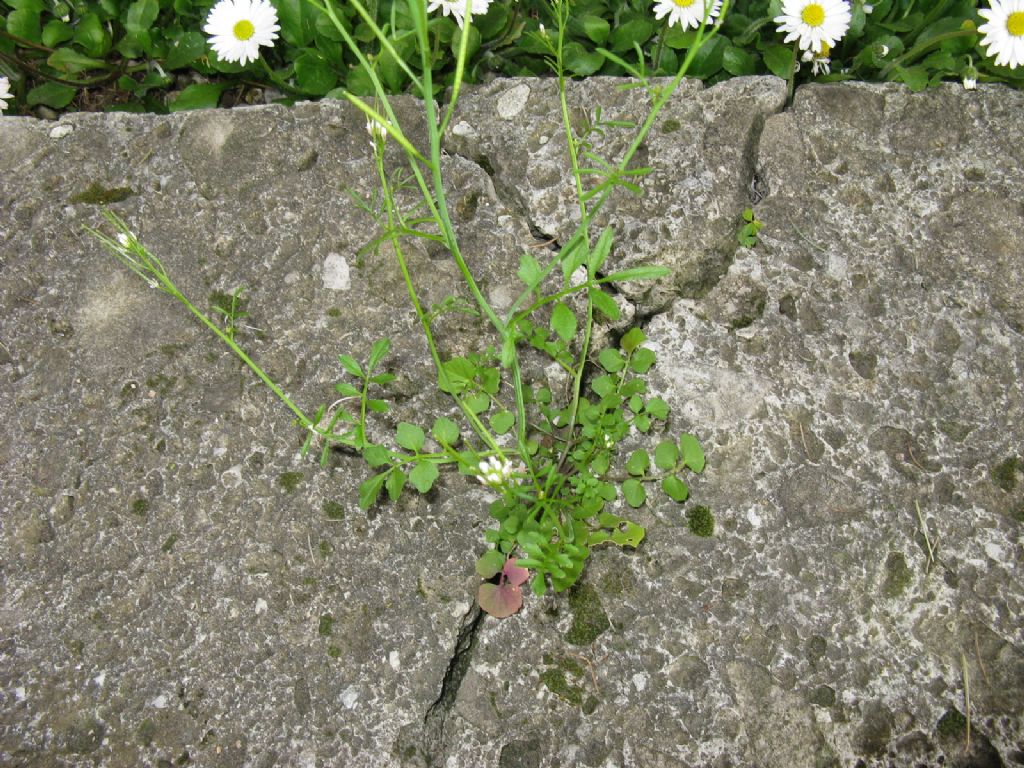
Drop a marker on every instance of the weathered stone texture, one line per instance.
(176, 584)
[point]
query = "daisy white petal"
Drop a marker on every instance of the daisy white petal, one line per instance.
(457, 8)
(238, 28)
(5, 93)
(1004, 32)
(687, 13)
(814, 23)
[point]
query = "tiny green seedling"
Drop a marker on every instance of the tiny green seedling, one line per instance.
(747, 235)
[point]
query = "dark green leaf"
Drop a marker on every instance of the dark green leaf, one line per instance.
(410, 437)
(779, 60)
(92, 35)
(737, 61)
(580, 61)
(595, 28)
(25, 23)
(70, 61)
(198, 96)
(52, 95)
(296, 19)
(185, 49)
(634, 31)
(916, 78)
(423, 476)
(56, 32)
(314, 73)
(141, 15)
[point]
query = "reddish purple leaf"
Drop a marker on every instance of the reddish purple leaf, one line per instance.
(513, 574)
(500, 601)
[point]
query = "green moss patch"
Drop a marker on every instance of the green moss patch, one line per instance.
(588, 617)
(95, 194)
(701, 521)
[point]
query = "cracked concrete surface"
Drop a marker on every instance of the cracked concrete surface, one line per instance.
(177, 586)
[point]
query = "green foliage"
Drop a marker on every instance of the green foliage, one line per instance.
(747, 235)
(129, 50)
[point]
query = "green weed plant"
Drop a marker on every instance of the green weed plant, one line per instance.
(135, 54)
(553, 461)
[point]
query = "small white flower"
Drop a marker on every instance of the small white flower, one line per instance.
(124, 240)
(883, 50)
(494, 472)
(687, 13)
(819, 64)
(970, 83)
(1004, 31)
(608, 442)
(377, 132)
(5, 93)
(239, 27)
(814, 23)
(868, 8)
(457, 8)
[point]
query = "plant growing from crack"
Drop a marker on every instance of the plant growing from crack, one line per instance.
(551, 459)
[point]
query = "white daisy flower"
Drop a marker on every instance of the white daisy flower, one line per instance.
(687, 13)
(5, 93)
(457, 8)
(814, 23)
(239, 27)
(1004, 31)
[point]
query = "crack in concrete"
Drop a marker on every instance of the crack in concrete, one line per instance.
(437, 713)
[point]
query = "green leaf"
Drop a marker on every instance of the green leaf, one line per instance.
(378, 351)
(296, 20)
(579, 61)
(601, 250)
(490, 564)
(666, 455)
(611, 360)
(346, 389)
(642, 360)
(563, 322)
(377, 406)
(24, 23)
(603, 385)
(445, 431)
(350, 364)
(458, 375)
(423, 476)
(636, 273)
(56, 32)
(738, 62)
(635, 31)
(604, 303)
(314, 73)
(595, 28)
(634, 492)
(198, 96)
(916, 78)
(478, 403)
(631, 536)
(369, 490)
(708, 61)
(638, 464)
(502, 422)
(376, 455)
(779, 60)
(633, 338)
(92, 35)
(529, 271)
(675, 488)
(70, 61)
(185, 49)
(657, 408)
(537, 585)
(141, 15)
(642, 422)
(395, 483)
(693, 455)
(410, 437)
(52, 95)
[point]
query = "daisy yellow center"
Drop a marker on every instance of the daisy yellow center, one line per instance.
(244, 29)
(813, 15)
(684, 3)
(1014, 24)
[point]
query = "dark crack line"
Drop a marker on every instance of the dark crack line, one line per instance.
(437, 713)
